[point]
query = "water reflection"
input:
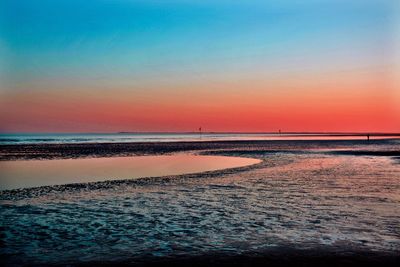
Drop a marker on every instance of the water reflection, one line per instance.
(22, 174)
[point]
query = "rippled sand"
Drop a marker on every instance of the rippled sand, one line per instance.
(322, 198)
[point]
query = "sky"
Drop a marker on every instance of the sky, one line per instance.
(249, 66)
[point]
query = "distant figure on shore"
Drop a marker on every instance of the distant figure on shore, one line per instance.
(368, 137)
(279, 131)
(200, 132)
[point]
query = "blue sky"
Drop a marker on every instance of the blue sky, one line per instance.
(52, 39)
(117, 65)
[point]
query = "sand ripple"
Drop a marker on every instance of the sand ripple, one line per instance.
(307, 200)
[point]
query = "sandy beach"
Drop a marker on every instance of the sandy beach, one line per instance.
(308, 203)
(199, 133)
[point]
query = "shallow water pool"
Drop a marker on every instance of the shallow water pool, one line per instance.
(33, 173)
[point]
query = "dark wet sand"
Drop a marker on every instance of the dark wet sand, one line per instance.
(53, 151)
(280, 256)
(277, 258)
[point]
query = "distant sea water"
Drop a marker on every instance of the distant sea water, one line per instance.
(66, 138)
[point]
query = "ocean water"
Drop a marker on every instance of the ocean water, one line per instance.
(52, 138)
(329, 196)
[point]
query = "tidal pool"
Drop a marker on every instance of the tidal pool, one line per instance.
(33, 173)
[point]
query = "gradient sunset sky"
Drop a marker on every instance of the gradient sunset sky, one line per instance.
(126, 65)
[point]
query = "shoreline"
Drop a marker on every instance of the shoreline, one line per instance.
(83, 150)
(255, 149)
(38, 191)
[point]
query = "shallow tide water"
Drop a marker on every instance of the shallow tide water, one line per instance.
(298, 199)
(34, 173)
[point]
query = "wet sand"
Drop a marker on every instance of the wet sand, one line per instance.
(309, 203)
(59, 151)
(279, 257)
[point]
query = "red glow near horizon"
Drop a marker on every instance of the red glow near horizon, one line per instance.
(358, 106)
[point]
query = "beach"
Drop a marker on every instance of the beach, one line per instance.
(307, 203)
(200, 133)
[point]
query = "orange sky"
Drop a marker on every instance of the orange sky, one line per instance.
(347, 102)
(109, 66)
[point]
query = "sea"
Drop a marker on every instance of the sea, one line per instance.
(66, 138)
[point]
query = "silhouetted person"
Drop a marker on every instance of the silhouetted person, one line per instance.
(368, 137)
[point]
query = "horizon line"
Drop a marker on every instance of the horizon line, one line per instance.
(222, 132)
